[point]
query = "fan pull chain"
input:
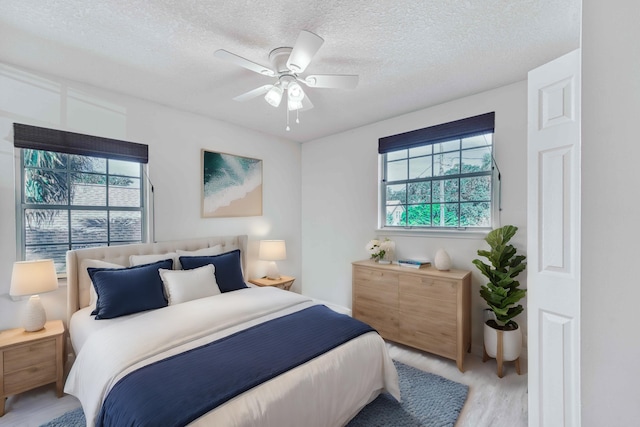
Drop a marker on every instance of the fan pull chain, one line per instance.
(287, 128)
(297, 119)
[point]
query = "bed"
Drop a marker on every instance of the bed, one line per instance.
(248, 355)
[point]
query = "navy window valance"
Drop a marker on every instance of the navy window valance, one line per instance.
(476, 125)
(38, 138)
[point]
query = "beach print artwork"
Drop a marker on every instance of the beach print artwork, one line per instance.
(231, 185)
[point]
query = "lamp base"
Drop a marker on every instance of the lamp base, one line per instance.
(34, 316)
(272, 271)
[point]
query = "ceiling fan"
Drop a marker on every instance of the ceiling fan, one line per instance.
(287, 66)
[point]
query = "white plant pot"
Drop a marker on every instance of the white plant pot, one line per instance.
(511, 343)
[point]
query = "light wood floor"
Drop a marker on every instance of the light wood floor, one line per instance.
(492, 402)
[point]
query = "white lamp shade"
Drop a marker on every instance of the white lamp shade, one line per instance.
(33, 277)
(272, 250)
(274, 96)
(295, 92)
(294, 105)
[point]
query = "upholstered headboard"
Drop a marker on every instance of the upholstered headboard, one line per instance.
(79, 283)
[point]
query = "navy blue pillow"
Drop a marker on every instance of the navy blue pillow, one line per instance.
(128, 290)
(228, 268)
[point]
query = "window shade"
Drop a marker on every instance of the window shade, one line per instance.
(38, 138)
(470, 126)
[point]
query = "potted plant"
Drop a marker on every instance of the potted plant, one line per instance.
(502, 294)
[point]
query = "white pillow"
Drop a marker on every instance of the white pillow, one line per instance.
(186, 285)
(151, 258)
(94, 263)
(213, 250)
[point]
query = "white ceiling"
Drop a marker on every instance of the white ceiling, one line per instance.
(409, 54)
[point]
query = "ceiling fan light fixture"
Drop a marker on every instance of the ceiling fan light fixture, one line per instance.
(294, 105)
(274, 96)
(295, 92)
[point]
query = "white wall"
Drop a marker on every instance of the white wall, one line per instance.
(340, 196)
(610, 292)
(175, 140)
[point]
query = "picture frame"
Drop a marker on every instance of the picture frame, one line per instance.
(231, 185)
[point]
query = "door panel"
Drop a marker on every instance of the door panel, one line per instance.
(553, 242)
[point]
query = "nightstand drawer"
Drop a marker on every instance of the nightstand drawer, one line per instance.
(18, 358)
(30, 377)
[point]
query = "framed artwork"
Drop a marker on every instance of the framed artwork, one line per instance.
(231, 185)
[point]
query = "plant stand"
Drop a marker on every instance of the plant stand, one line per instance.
(499, 355)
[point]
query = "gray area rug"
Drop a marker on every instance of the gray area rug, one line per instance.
(428, 400)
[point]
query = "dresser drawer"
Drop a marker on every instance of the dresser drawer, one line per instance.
(27, 355)
(378, 277)
(428, 287)
(382, 318)
(434, 334)
(376, 292)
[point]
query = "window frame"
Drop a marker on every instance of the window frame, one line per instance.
(452, 131)
(69, 143)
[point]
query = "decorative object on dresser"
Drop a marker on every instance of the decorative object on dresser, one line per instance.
(502, 335)
(272, 251)
(423, 308)
(381, 251)
(284, 282)
(413, 263)
(32, 278)
(31, 359)
(442, 260)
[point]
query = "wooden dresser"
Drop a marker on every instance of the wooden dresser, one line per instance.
(423, 308)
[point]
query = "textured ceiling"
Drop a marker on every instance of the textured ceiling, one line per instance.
(409, 54)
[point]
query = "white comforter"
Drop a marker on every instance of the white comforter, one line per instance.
(327, 391)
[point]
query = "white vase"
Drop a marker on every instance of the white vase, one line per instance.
(511, 343)
(442, 260)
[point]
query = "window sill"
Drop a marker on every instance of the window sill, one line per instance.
(443, 234)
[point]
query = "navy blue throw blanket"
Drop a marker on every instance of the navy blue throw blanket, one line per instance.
(181, 388)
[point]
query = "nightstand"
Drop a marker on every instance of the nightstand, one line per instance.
(31, 359)
(284, 282)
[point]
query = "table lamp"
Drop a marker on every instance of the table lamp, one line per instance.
(272, 251)
(32, 278)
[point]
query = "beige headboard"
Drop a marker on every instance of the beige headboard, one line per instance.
(78, 282)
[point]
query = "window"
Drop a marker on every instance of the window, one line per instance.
(72, 201)
(439, 177)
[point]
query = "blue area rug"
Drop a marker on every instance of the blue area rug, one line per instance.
(428, 400)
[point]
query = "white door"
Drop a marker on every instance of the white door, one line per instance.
(553, 242)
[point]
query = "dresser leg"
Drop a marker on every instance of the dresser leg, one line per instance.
(4, 400)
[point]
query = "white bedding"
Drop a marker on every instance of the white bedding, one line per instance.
(327, 391)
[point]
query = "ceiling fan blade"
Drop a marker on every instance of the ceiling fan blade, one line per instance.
(306, 46)
(253, 93)
(245, 63)
(332, 81)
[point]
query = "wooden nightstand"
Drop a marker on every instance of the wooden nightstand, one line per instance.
(31, 359)
(284, 282)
